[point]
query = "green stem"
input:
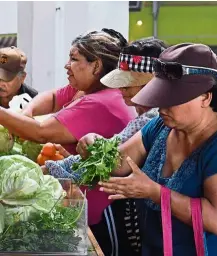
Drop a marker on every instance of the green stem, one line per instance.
(6, 231)
(92, 163)
(55, 204)
(82, 208)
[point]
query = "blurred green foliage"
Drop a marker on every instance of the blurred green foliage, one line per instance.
(177, 23)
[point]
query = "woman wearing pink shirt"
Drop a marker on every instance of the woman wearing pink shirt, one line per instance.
(83, 106)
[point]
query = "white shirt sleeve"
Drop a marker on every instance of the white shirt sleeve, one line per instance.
(132, 127)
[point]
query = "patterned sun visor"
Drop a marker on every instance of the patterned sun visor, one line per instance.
(136, 63)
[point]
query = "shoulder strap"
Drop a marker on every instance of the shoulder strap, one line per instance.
(196, 213)
(197, 221)
(166, 221)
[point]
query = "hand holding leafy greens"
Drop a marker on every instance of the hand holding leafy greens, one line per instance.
(104, 158)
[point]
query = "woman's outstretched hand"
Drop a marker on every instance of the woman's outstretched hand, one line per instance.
(136, 185)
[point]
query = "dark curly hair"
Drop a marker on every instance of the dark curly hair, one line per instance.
(150, 46)
(105, 45)
(213, 103)
(122, 40)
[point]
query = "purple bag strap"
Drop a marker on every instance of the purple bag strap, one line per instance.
(197, 221)
(166, 221)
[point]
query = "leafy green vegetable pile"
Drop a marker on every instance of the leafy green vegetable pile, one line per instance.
(104, 158)
(32, 217)
(45, 232)
(11, 145)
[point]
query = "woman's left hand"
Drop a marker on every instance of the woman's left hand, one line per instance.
(62, 150)
(136, 185)
(44, 169)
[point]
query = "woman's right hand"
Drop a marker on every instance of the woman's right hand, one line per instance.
(62, 150)
(84, 142)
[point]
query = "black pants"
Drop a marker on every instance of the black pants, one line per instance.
(112, 233)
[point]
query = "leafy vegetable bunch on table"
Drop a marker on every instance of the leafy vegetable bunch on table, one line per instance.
(32, 215)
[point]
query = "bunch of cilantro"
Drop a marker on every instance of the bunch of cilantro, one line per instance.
(103, 159)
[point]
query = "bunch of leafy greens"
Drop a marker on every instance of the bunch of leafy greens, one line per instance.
(103, 159)
(12, 145)
(6, 140)
(32, 217)
(44, 232)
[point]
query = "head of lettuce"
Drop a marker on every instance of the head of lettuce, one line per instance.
(24, 190)
(6, 140)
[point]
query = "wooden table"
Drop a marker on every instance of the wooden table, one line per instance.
(93, 247)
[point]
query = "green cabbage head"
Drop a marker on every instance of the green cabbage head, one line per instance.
(6, 140)
(31, 149)
(24, 190)
(2, 218)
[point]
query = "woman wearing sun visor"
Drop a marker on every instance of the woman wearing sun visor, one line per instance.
(172, 161)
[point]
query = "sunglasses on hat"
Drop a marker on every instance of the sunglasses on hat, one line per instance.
(175, 70)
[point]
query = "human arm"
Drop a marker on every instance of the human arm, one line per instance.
(54, 129)
(51, 130)
(62, 168)
(133, 126)
(180, 205)
(50, 101)
(139, 185)
(44, 103)
(67, 126)
(62, 151)
(133, 148)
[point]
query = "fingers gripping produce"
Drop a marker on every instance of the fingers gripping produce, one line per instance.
(48, 149)
(104, 158)
(48, 152)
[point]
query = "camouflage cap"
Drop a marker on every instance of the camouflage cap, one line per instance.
(12, 61)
